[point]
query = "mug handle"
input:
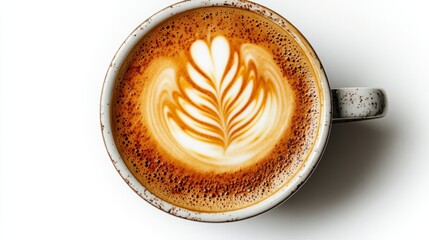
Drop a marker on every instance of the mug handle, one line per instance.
(356, 104)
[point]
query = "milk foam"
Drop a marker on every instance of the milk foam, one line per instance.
(222, 78)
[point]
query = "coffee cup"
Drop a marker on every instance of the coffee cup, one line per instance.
(218, 111)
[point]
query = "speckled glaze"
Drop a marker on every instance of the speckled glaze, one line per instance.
(356, 104)
(345, 110)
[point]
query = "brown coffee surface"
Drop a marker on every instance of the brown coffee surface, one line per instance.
(216, 109)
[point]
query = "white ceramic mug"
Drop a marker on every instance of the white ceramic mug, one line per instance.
(338, 105)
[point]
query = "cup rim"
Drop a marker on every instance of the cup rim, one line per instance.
(286, 191)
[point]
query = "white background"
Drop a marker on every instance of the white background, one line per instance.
(57, 181)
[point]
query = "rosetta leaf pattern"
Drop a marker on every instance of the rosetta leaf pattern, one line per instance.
(219, 102)
(225, 109)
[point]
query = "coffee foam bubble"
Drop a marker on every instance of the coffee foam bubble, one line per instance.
(168, 70)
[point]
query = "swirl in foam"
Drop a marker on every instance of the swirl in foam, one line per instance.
(228, 108)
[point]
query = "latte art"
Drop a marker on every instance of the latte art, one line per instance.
(229, 106)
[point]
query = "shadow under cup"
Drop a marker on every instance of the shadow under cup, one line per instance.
(306, 166)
